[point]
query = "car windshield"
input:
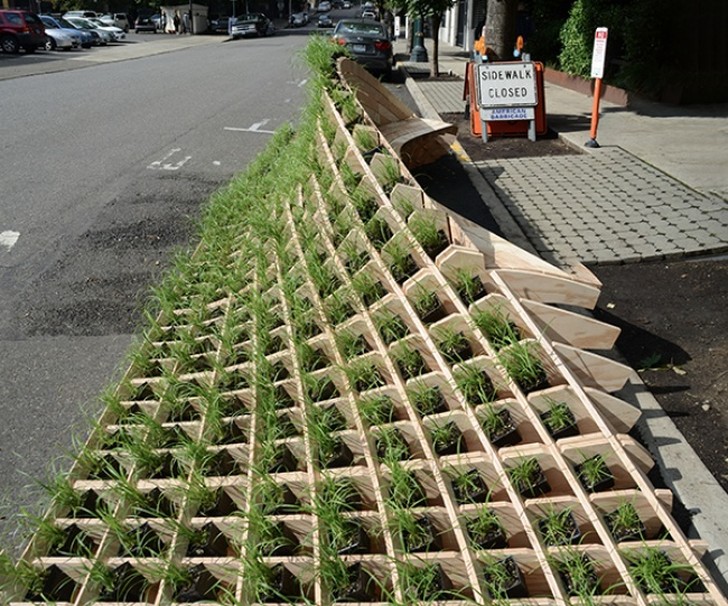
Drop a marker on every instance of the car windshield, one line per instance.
(350, 27)
(98, 22)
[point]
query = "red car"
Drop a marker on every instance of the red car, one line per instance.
(21, 29)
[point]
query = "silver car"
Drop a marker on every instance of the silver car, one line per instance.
(104, 36)
(59, 39)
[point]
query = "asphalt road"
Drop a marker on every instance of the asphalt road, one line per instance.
(104, 170)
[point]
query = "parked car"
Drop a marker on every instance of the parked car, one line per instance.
(346, 4)
(325, 21)
(368, 43)
(118, 33)
(59, 39)
(84, 14)
(324, 6)
(101, 36)
(119, 20)
(253, 24)
(85, 37)
(368, 13)
(299, 19)
(220, 25)
(21, 29)
(145, 23)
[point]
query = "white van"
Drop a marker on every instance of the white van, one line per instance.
(84, 14)
(117, 19)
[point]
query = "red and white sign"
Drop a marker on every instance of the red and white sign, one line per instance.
(599, 53)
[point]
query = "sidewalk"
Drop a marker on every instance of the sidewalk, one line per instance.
(657, 187)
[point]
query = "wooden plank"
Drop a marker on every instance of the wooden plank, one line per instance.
(594, 370)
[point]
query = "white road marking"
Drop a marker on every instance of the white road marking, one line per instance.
(250, 130)
(257, 125)
(216, 163)
(9, 238)
(164, 165)
(302, 82)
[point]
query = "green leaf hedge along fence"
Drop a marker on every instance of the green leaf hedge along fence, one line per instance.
(352, 395)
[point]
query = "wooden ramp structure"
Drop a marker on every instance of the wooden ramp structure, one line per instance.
(375, 402)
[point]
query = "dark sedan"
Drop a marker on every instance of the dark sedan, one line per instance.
(254, 24)
(368, 43)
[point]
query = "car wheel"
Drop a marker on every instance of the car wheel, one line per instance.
(50, 44)
(10, 45)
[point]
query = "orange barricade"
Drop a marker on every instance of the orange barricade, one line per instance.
(503, 128)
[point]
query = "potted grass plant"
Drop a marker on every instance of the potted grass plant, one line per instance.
(417, 534)
(559, 420)
(378, 231)
(425, 230)
(528, 478)
(503, 579)
(594, 474)
(453, 345)
(524, 366)
(399, 260)
(447, 439)
(338, 307)
(388, 173)
(428, 306)
(369, 289)
(405, 491)
(426, 399)
(377, 409)
(391, 326)
(475, 385)
(486, 530)
(625, 523)
(499, 426)
(559, 527)
(655, 573)
(363, 374)
(409, 361)
(578, 575)
(469, 487)
(468, 285)
(497, 328)
(365, 204)
(425, 583)
(350, 344)
(391, 445)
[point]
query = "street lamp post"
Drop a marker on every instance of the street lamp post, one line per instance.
(419, 52)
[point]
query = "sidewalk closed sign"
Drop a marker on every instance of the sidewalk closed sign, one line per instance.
(599, 53)
(511, 84)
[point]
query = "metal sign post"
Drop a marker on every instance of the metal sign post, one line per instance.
(507, 91)
(597, 71)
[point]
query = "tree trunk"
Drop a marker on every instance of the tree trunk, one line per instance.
(434, 55)
(500, 27)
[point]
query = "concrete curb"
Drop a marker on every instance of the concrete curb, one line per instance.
(683, 472)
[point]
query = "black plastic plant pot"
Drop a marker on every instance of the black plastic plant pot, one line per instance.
(340, 456)
(471, 295)
(621, 533)
(220, 505)
(356, 261)
(284, 462)
(487, 538)
(404, 270)
(436, 248)
(143, 393)
(284, 541)
(279, 371)
(433, 584)
(142, 542)
(165, 466)
(359, 586)
(182, 414)
(171, 436)
(533, 486)
(378, 291)
(284, 585)
(394, 440)
(504, 579)
(286, 502)
(534, 383)
(54, 586)
(155, 504)
(106, 468)
(129, 585)
(450, 442)
(315, 359)
(412, 367)
(208, 542)
(594, 481)
(222, 463)
(456, 352)
(90, 502)
(233, 381)
(559, 528)
(283, 398)
(429, 402)
(354, 539)
(471, 489)
(379, 232)
(274, 345)
(232, 433)
(366, 209)
(566, 430)
(424, 539)
(506, 433)
(585, 582)
(432, 313)
(323, 389)
(74, 543)
(199, 586)
(287, 427)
